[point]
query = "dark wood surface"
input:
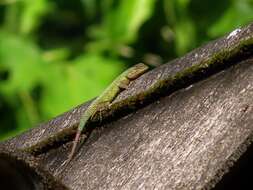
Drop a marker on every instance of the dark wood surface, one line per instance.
(184, 141)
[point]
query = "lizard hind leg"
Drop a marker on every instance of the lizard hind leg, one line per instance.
(101, 106)
(75, 142)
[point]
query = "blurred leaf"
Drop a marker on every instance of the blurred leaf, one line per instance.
(31, 17)
(23, 62)
(238, 14)
(59, 54)
(90, 7)
(12, 17)
(182, 25)
(184, 36)
(121, 24)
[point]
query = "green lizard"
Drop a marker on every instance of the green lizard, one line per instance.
(109, 94)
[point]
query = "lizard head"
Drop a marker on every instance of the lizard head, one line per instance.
(137, 70)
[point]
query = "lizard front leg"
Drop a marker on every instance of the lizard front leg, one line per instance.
(123, 84)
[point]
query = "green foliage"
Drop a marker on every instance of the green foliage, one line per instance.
(57, 54)
(238, 12)
(120, 25)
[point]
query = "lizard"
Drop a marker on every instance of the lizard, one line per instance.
(107, 96)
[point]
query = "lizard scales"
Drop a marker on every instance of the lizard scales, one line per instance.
(108, 95)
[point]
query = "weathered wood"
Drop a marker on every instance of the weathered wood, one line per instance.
(183, 140)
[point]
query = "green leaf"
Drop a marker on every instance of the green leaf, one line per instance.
(89, 7)
(32, 13)
(121, 24)
(24, 66)
(182, 25)
(184, 36)
(238, 14)
(23, 62)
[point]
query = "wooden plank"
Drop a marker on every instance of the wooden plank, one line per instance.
(186, 140)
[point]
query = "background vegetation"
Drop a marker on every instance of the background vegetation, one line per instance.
(56, 54)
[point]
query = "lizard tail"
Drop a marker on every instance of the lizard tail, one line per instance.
(73, 150)
(75, 142)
